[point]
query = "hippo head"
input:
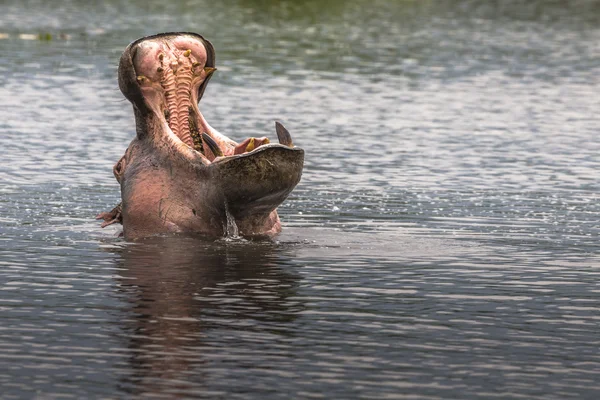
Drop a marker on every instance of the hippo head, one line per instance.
(181, 175)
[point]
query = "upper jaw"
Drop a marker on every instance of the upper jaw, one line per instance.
(164, 76)
(142, 57)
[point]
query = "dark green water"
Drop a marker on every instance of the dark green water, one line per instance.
(442, 244)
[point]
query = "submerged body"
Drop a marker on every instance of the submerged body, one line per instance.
(181, 175)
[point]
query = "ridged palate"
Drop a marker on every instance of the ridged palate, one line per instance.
(176, 80)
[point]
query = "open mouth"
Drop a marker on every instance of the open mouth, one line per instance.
(168, 74)
(181, 175)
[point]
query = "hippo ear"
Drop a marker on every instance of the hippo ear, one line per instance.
(210, 62)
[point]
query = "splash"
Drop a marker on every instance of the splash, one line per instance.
(231, 228)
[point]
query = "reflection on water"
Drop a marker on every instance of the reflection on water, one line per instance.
(242, 286)
(443, 242)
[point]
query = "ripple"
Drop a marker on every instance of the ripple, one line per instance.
(443, 242)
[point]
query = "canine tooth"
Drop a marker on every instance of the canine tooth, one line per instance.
(141, 78)
(187, 53)
(212, 145)
(161, 56)
(283, 135)
(159, 69)
(209, 71)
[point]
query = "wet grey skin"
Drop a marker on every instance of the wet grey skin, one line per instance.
(180, 175)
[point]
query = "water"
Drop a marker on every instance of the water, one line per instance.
(443, 242)
(231, 228)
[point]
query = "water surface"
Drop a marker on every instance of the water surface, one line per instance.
(443, 242)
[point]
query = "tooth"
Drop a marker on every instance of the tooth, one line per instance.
(141, 78)
(196, 64)
(250, 145)
(187, 53)
(283, 135)
(209, 71)
(159, 69)
(212, 145)
(161, 56)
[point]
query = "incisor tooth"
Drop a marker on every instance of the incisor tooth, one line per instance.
(250, 145)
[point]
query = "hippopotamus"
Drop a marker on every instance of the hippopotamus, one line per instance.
(179, 174)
